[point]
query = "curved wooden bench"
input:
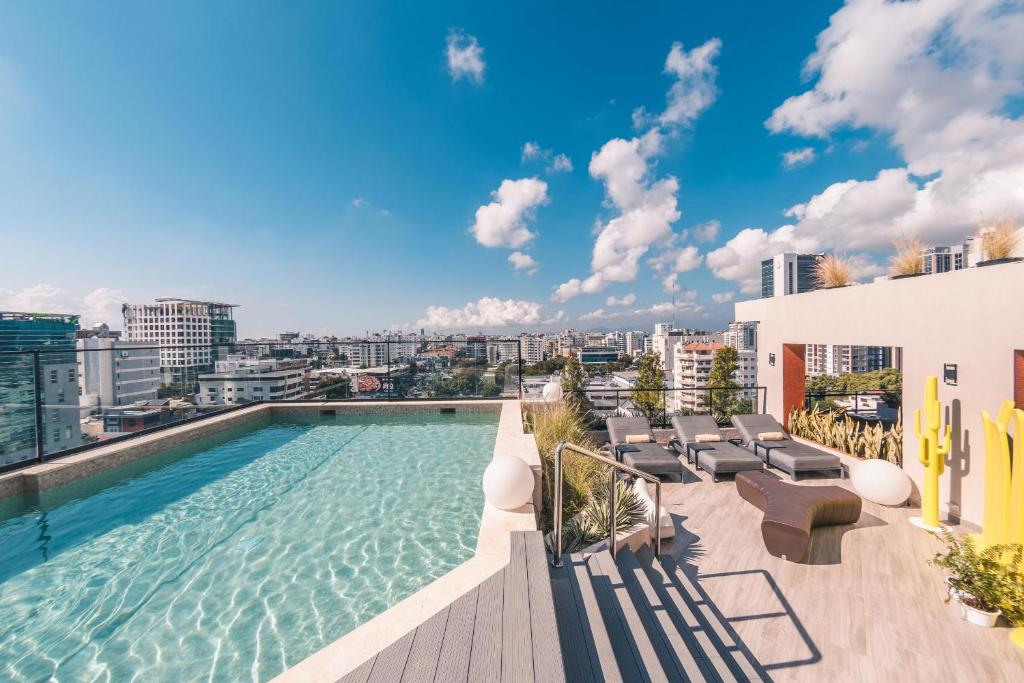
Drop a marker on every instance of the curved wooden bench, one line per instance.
(791, 512)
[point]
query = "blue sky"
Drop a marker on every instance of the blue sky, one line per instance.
(323, 165)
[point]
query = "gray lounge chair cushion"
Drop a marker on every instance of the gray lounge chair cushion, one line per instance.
(800, 458)
(689, 426)
(650, 458)
(621, 427)
(646, 457)
(727, 457)
(787, 454)
(749, 426)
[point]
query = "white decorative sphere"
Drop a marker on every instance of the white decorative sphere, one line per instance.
(508, 483)
(552, 391)
(880, 481)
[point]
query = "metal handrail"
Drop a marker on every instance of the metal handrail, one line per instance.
(616, 466)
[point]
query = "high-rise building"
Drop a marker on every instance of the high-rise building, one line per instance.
(742, 336)
(788, 273)
(191, 334)
(636, 342)
(117, 373)
(53, 336)
(532, 348)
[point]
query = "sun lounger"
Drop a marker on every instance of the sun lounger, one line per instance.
(714, 457)
(786, 454)
(646, 456)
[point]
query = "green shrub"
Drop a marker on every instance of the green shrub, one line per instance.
(835, 429)
(987, 579)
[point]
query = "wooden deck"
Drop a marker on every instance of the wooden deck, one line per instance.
(502, 630)
(869, 607)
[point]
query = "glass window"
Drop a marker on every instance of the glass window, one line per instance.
(53, 376)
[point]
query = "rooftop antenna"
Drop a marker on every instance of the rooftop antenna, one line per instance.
(673, 308)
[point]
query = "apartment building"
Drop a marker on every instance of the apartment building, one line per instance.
(955, 257)
(249, 384)
(501, 351)
(636, 342)
(117, 373)
(692, 365)
(53, 335)
(836, 359)
(191, 334)
(788, 273)
(742, 336)
(532, 348)
(372, 354)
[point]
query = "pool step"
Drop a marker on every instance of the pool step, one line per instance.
(639, 619)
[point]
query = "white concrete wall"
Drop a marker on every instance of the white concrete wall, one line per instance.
(972, 317)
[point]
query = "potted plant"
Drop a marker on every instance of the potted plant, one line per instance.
(981, 581)
(1000, 240)
(906, 262)
(832, 271)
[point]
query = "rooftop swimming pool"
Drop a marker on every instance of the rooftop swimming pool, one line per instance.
(238, 556)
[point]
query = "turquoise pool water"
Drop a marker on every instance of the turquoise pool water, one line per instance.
(236, 558)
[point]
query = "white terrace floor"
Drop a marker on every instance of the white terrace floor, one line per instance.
(868, 608)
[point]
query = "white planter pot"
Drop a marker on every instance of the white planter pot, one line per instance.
(980, 618)
(954, 597)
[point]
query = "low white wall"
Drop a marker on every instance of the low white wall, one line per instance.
(973, 318)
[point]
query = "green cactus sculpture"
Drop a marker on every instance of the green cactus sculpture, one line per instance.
(932, 452)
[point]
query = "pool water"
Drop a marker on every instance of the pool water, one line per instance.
(237, 558)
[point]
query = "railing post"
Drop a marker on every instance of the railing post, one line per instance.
(520, 368)
(612, 514)
(556, 515)
(38, 374)
(657, 519)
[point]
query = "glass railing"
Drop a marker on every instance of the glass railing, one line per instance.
(55, 400)
(659, 406)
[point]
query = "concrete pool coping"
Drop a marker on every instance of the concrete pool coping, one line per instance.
(352, 649)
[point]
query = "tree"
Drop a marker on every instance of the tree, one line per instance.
(574, 384)
(649, 390)
(724, 397)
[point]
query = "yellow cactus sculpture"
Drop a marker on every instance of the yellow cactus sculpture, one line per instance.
(932, 453)
(1003, 514)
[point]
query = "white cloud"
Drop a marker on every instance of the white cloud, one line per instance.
(707, 232)
(554, 163)
(627, 300)
(502, 223)
(598, 314)
(359, 202)
(670, 283)
(686, 302)
(560, 163)
(465, 57)
(486, 312)
(555, 318)
(694, 89)
(723, 297)
(798, 157)
(936, 77)
(575, 287)
(521, 261)
(101, 305)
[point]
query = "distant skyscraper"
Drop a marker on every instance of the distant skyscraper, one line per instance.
(191, 334)
(54, 336)
(788, 273)
(742, 336)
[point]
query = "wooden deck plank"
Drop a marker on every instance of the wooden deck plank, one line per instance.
(361, 673)
(390, 662)
(647, 647)
(426, 649)
(576, 646)
(617, 653)
(516, 640)
(453, 659)
(485, 656)
(547, 655)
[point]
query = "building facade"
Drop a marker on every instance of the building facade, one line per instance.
(53, 336)
(191, 334)
(692, 366)
(248, 385)
(788, 273)
(117, 373)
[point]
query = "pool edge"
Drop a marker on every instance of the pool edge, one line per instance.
(345, 654)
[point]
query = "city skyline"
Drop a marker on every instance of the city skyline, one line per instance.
(344, 169)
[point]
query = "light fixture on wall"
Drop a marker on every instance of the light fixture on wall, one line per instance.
(949, 373)
(771, 359)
